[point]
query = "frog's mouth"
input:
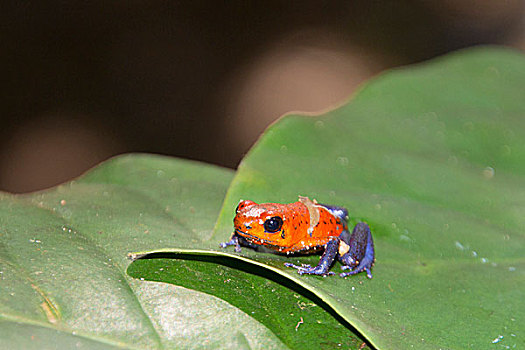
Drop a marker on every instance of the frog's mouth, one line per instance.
(254, 239)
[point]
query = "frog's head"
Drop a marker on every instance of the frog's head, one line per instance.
(262, 224)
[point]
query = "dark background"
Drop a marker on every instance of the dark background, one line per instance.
(85, 81)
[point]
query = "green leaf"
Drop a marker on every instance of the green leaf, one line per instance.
(433, 158)
(292, 315)
(63, 257)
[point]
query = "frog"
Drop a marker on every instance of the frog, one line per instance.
(301, 228)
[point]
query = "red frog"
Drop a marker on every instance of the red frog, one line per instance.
(305, 227)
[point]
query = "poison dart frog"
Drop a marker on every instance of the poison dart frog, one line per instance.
(305, 227)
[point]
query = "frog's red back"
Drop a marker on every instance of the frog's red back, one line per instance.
(287, 227)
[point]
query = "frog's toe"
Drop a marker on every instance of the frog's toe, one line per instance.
(300, 269)
(303, 266)
(356, 271)
(226, 244)
(233, 241)
(306, 269)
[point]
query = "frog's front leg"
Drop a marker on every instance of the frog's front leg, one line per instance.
(234, 240)
(360, 255)
(238, 242)
(326, 261)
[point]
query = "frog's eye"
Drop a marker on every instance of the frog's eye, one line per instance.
(273, 224)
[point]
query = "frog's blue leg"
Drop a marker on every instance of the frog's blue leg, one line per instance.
(361, 255)
(326, 261)
(340, 212)
(233, 241)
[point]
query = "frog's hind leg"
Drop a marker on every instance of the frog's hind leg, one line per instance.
(326, 261)
(360, 255)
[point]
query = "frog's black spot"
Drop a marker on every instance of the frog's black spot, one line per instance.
(295, 228)
(282, 234)
(331, 221)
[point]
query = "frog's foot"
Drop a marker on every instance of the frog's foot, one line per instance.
(326, 261)
(362, 267)
(303, 266)
(233, 241)
(306, 269)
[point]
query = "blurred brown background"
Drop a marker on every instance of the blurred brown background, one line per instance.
(85, 81)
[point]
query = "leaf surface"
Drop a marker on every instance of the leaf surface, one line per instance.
(63, 257)
(432, 157)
